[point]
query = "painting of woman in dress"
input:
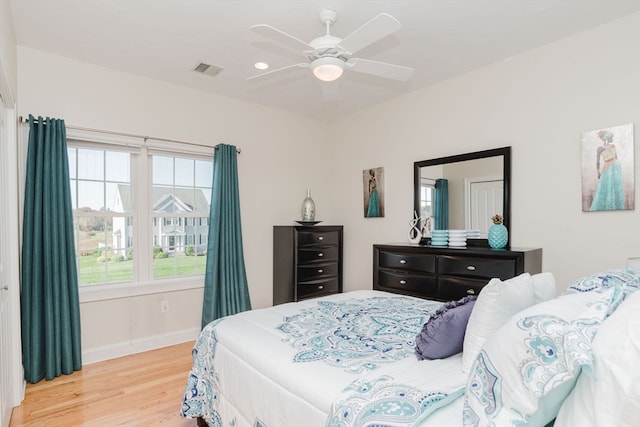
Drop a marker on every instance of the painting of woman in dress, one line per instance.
(373, 192)
(607, 169)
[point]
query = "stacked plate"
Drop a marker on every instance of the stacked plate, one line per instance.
(458, 238)
(473, 234)
(439, 237)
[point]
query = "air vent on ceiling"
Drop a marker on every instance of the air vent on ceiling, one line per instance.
(208, 69)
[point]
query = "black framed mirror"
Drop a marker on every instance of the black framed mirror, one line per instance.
(471, 188)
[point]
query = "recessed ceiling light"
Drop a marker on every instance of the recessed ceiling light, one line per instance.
(261, 65)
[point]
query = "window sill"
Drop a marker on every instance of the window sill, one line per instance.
(91, 293)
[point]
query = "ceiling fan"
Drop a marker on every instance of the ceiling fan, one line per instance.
(328, 56)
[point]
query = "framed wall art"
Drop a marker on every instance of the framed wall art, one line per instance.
(373, 192)
(608, 169)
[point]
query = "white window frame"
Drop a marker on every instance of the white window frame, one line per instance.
(141, 178)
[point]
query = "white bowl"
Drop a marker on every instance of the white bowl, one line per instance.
(458, 245)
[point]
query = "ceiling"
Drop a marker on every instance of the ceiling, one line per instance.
(165, 39)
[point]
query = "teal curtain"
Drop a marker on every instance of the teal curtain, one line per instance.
(441, 205)
(49, 298)
(225, 285)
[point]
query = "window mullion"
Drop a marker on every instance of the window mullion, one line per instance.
(143, 230)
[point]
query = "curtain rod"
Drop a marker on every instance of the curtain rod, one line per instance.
(131, 135)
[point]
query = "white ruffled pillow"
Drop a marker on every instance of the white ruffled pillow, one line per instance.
(528, 367)
(610, 394)
(496, 303)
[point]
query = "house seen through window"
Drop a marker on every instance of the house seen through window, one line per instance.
(181, 193)
(119, 212)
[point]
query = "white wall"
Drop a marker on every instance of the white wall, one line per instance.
(279, 160)
(539, 103)
(8, 55)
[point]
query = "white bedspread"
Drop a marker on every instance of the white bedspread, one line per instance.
(342, 360)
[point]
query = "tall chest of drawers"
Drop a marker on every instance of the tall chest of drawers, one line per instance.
(307, 262)
(447, 273)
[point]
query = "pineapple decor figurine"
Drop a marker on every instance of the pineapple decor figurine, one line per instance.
(498, 234)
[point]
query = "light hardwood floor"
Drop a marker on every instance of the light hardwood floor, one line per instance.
(143, 389)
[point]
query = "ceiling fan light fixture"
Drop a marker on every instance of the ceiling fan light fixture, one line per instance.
(327, 69)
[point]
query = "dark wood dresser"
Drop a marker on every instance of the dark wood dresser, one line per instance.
(307, 262)
(444, 273)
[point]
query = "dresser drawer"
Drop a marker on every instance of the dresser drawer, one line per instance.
(318, 288)
(318, 254)
(317, 237)
(451, 288)
(407, 261)
(317, 271)
(476, 267)
(414, 283)
(447, 273)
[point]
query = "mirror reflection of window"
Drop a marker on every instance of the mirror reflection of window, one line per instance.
(427, 189)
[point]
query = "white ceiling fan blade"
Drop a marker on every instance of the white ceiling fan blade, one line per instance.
(377, 28)
(269, 31)
(277, 70)
(380, 69)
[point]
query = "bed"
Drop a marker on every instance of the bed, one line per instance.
(356, 358)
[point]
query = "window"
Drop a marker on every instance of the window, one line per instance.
(102, 214)
(138, 213)
(181, 199)
(427, 192)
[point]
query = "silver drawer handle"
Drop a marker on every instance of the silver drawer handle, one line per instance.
(403, 282)
(320, 254)
(471, 267)
(471, 292)
(321, 271)
(403, 261)
(320, 287)
(320, 237)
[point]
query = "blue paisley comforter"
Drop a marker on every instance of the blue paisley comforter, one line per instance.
(342, 360)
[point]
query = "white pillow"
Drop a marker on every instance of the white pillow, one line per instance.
(544, 287)
(610, 394)
(528, 367)
(496, 303)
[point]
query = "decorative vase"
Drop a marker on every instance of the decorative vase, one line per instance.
(498, 236)
(308, 208)
(415, 233)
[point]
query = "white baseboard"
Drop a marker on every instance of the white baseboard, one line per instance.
(112, 351)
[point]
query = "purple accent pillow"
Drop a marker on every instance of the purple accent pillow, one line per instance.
(443, 334)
